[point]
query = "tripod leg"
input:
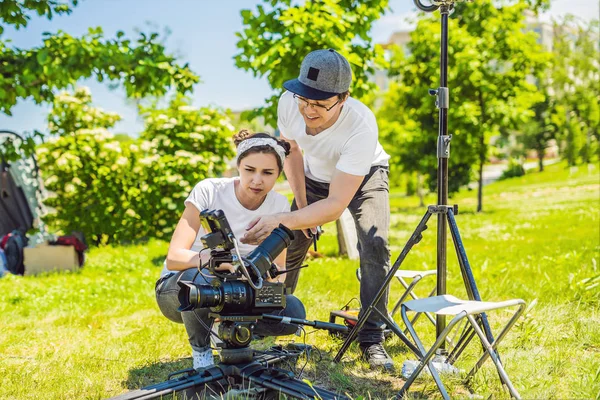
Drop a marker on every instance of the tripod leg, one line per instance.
(396, 329)
(414, 239)
(466, 271)
(468, 277)
(159, 390)
(283, 382)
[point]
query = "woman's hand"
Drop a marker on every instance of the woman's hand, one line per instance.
(225, 267)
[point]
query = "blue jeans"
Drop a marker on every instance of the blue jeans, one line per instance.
(370, 208)
(167, 290)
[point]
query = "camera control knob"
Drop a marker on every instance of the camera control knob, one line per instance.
(242, 334)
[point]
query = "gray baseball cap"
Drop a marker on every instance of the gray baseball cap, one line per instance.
(323, 74)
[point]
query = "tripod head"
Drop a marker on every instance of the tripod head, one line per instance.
(435, 4)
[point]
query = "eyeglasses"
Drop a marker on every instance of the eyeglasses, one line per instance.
(302, 102)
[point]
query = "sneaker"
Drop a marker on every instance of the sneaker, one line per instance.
(376, 356)
(203, 359)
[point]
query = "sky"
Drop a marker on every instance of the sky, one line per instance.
(203, 35)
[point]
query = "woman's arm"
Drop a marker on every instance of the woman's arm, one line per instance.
(179, 256)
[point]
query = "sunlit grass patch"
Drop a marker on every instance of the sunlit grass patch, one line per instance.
(97, 332)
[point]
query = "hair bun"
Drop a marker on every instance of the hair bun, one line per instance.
(241, 135)
(286, 146)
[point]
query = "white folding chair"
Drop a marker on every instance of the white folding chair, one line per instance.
(460, 309)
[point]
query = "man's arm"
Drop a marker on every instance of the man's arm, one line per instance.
(294, 172)
(342, 188)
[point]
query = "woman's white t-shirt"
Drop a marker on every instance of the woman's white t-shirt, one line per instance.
(350, 145)
(219, 194)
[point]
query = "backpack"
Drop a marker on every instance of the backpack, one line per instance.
(13, 245)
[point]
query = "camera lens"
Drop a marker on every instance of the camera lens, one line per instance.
(219, 296)
(192, 296)
(270, 248)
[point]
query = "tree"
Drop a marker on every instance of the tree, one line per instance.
(540, 130)
(141, 66)
(489, 87)
(276, 38)
(575, 77)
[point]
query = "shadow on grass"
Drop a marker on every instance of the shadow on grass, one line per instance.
(158, 261)
(157, 373)
(154, 373)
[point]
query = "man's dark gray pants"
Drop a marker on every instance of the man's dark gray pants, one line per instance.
(370, 208)
(167, 290)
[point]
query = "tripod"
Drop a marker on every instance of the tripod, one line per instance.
(445, 219)
(242, 367)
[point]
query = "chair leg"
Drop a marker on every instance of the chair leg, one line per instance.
(463, 341)
(407, 292)
(496, 342)
(427, 356)
(494, 356)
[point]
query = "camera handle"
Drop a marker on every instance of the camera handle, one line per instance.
(241, 260)
(274, 272)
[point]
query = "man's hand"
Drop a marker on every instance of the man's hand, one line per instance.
(260, 228)
(313, 232)
(309, 233)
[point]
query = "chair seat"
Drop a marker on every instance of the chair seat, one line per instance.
(403, 273)
(450, 305)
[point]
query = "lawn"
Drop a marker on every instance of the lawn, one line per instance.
(98, 332)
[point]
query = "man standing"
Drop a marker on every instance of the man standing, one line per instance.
(344, 166)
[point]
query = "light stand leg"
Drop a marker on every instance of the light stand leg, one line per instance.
(467, 273)
(366, 312)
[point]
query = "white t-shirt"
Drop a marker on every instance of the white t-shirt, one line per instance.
(350, 145)
(219, 194)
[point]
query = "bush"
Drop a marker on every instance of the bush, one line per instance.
(513, 170)
(122, 191)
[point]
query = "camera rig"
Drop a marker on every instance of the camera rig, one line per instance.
(239, 299)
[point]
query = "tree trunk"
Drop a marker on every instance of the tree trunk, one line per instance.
(541, 154)
(482, 152)
(480, 188)
(420, 189)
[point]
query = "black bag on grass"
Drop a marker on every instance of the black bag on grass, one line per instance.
(13, 250)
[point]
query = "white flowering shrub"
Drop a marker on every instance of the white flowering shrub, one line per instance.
(181, 145)
(121, 192)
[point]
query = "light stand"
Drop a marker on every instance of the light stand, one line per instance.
(445, 219)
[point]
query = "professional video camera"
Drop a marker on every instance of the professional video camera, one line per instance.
(237, 298)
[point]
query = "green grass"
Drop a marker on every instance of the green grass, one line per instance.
(98, 332)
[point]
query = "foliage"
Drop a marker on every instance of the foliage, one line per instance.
(99, 333)
(143, 69)
(141, 66)
(85, 169)
(489, 88)
(13, 148)
(15, 12)
(277, 36)
(514, 169)
(541, 129)
(117, 191)
(181, 145)
(575, 73)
